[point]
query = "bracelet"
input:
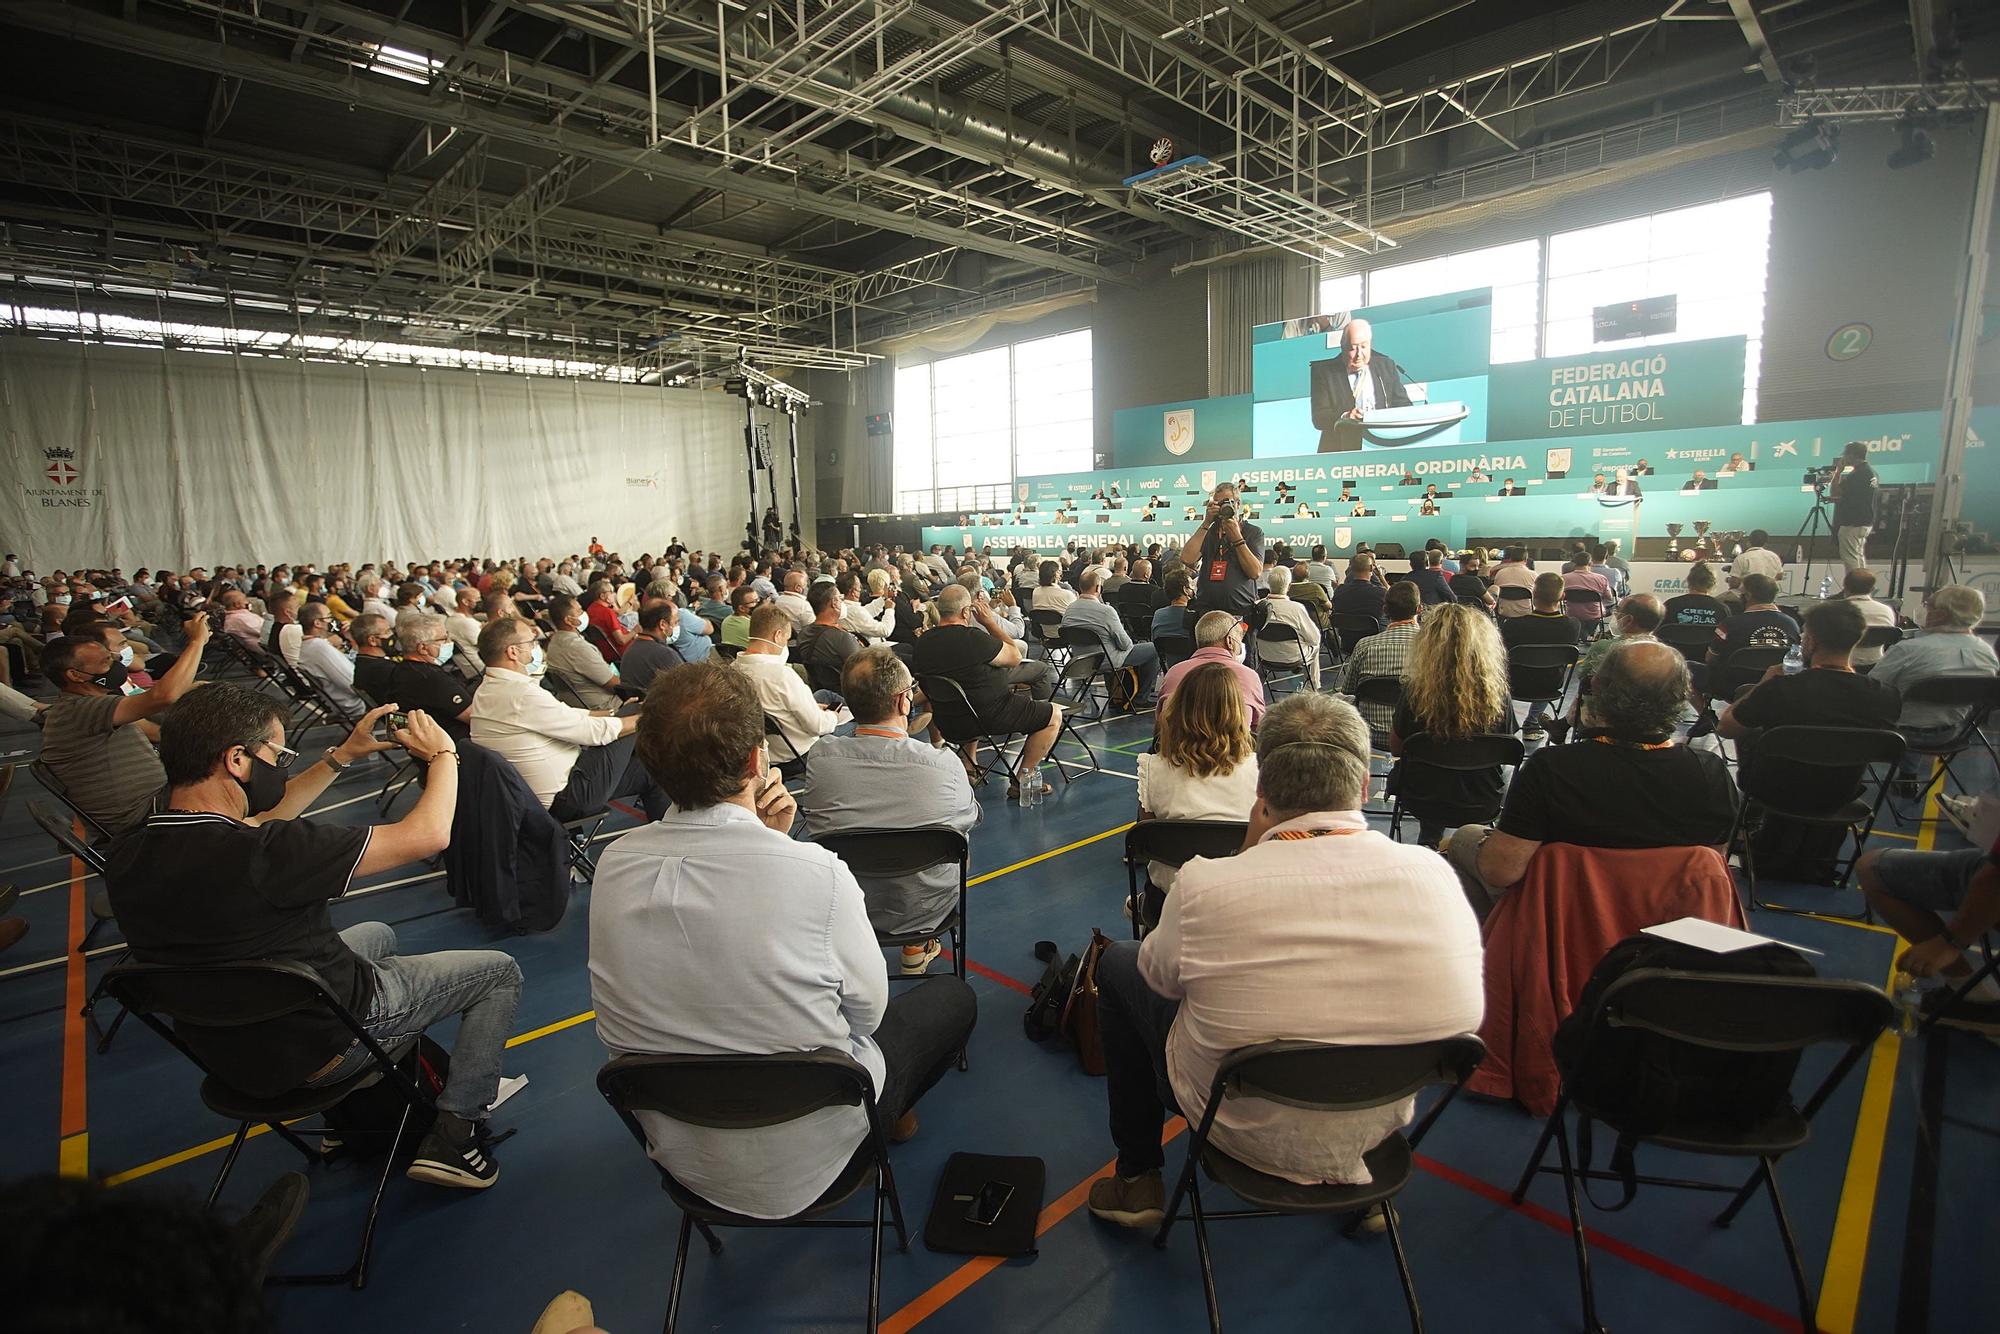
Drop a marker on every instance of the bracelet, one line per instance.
(440, 755)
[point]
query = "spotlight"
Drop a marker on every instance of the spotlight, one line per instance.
(1812, 147)
(1917, 146)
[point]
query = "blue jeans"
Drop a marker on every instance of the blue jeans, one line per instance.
(1914, 767)
(1133, 1021)
(414, 992)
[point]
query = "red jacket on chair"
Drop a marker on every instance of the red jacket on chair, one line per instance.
(1549, 931)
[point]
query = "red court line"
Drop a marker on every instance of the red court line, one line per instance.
(72, 1151)
(1625, 1251)
(974, 966)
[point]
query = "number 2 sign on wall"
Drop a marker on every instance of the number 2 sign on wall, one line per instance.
(1849, 341)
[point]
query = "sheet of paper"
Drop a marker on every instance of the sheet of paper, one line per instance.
(509, 1086)
(1715, 937)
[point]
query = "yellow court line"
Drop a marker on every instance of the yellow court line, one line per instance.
(546, 1030)
(1847, 1254)
(1890, 833)
(73, 1155)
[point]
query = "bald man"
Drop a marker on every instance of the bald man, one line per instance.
(1355, 383)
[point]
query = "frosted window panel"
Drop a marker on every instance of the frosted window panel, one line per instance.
(911, 454)
(1343, 293)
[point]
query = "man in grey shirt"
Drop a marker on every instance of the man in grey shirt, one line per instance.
(1090, 612)
(1946, 646)
(881, 778)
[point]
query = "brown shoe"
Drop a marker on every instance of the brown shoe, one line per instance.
(905, 1128)
(1140, 1202)
(11, 931)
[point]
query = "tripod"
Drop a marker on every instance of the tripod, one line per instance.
(1819, 521)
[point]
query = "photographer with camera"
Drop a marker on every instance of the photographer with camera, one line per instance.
(1226, 556)
(1855, 487)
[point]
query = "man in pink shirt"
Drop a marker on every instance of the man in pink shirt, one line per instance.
(1218, 637)
(1579, 576)
(1320, 929)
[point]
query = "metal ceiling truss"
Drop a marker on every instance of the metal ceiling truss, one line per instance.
(1887, 101)
(1209, 192)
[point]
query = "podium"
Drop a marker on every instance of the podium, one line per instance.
(1417, 424)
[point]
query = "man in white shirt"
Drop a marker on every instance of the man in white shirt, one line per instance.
(1321, 929)
(793, 600)
(1279, 609)
(321, 659)
(464, 627)
(1758, 558)
(575, 762)
(1858, 587)
(681, 905)
(565, 582)
(803, 714)
(872, 619)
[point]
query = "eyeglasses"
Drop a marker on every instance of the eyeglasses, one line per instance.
(281, 756)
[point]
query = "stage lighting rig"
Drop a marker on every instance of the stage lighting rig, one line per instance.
(1917, 145)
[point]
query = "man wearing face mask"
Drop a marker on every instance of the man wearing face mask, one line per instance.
(575, 761)
(802, 714)
(575, 660)
(323, 660)
(372, 664)
(1218, 637)
(96, 739)
(229, 872)
(421, 681)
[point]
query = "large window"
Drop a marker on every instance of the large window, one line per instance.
(967, 426)
(1711, 257)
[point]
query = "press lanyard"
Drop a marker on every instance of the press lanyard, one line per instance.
(1294, 835)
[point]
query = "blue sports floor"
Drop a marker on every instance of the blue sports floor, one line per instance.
(578, 1207)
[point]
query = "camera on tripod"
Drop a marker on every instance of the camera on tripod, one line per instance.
(1822, 476)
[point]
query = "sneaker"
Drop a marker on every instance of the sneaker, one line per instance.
(1136, 1202)
(265, 1229)
(917, 958)
(905, 1128)
(1702, 725)
(1534, 732)
(1972, 1014)
(451, 1155)
(1959, 810)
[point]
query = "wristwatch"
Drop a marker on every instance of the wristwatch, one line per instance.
(333, 761)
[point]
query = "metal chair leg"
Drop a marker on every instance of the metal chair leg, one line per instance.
(680, 1273)
(1402, 1267)
(375, 1204)
(228, 1161)
(1590, 1320)
(1201, 1252)
(888, 1187)
(1808, 1311)
(1741, 1198)
(1541, 1152)
(1182, 1185)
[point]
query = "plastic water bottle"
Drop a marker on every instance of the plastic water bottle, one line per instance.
(1795, 659)
(1825, 587)
(1031, 789)
(1909, 1003)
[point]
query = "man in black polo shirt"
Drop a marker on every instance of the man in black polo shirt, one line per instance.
(1226, 556)
(372, 663)
(229, 873)
(1699, 605)
(1624, 784)
(1759, 625)
(987, 664)
(1546, 624)
(420, 681)
(1855, 487)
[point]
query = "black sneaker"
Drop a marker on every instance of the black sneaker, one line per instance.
(453, 1154)
(268, 1225)
(1971, 1014)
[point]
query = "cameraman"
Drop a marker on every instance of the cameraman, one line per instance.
(1854, 489)
(1225, 555)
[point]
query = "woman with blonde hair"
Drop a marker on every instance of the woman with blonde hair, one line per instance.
(1454, 688)
(1206, 768)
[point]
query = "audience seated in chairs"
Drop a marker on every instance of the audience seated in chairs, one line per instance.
(229, 873)
(1218, 638)
(823, 647)
(1699, 605)
(686, 632)
(1385, 653)
(1470, 585)
(575, 761)
(1205, 768)
(743, 600)
(1320, 930)
(1427, 573)
(793, 600)
(575, 661)
(670, 977)
(321, 661)
(1173, 616)
(651, 650)
(422, 681)
(1514, 572)
(865, 612)
(802, 713)
(97, 740)
(1635, 621)
(282, 639)
(1364, 590)
(1586, 593)
(1310, 594)
(1760, 624)
(462, 624)
(1281, 609)
(372, 663)
(1088, 610)
(1050, 594)
(1454, 688)
(1946, 646)
(1858, 587)
(969, 646)
(1624, 784)
(599, 606)
(1945, 904)
(880, 778)
(240, 621)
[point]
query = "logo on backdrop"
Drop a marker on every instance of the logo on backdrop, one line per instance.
(60, 485)
(1179, 431)
(1559, 461)
(1208, 479)
(1343, 538)
(62, 468)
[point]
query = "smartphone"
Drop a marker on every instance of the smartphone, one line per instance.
(987, 1204)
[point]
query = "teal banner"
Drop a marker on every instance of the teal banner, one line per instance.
(1167, 433)
(1338, 534)
(1670, 387)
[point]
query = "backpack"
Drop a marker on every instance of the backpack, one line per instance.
(1124, 689)
(1064, 1002)
(1644, 1082)
(365, 1120)
(1045, 1003)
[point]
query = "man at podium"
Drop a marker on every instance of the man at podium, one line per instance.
(1348, 387)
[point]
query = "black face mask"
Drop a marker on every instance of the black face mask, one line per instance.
(113, 677)
(266, 787)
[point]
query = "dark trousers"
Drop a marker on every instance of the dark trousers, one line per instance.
(1133, 1020)
(923, 1031)
(602, 773)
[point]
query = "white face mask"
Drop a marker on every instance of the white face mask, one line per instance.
(535, 660)
(61, 600)
(1238, 653)
(125, 655)
(445, 650)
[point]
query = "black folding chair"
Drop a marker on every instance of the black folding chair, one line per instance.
(1879, 637)
(1585, 600)
(1086, 667)
(1845, 757)
(1173, 648)
(1273, 634)
(97, 899)
(1692, 641)
(752, 1092)
(1047, 625)
(1514, 593)
(54, 787)
(1318, 1077)
(890, 854)
(240, 995)
(1173, 843)
(1540, 673)
(1349, 628)
(727, 652)
(1720, 1012)
(790, 763)
(1742, 669)
(1426, 772)
(1977, 695)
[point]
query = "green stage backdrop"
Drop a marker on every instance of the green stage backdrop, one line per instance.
(1673, 386)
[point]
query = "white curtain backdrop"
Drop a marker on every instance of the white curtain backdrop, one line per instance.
(142, 457)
